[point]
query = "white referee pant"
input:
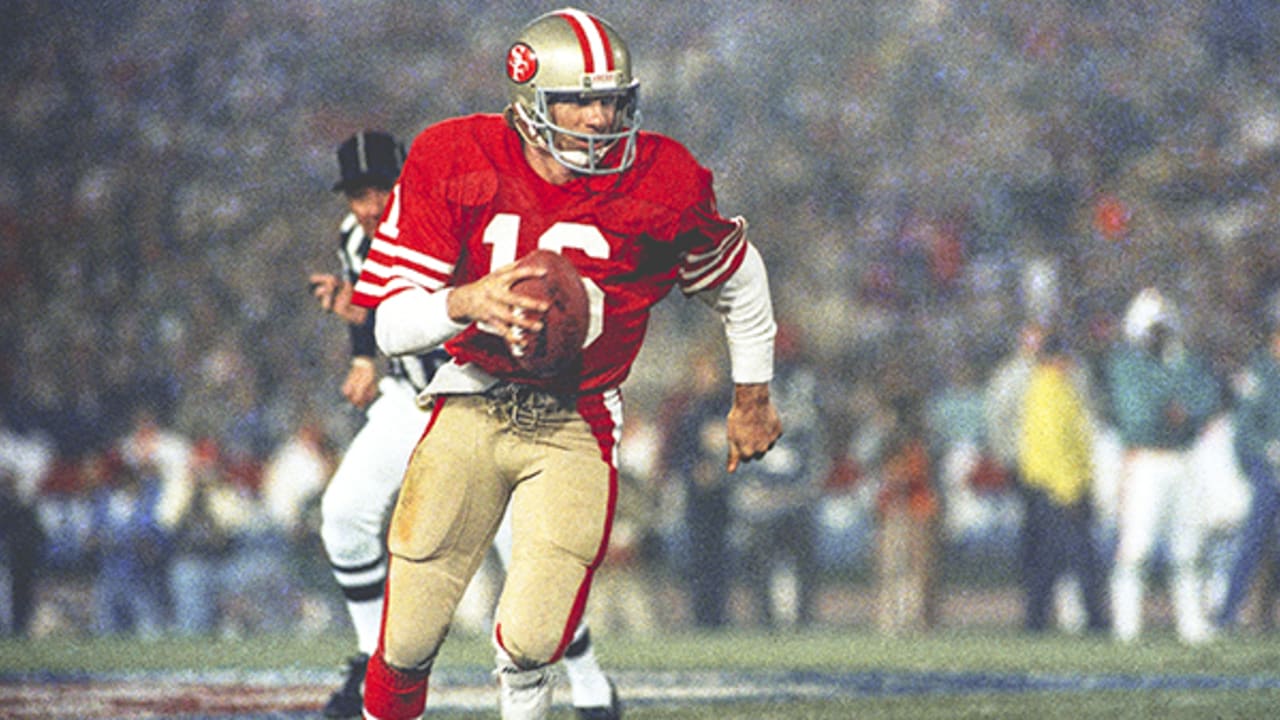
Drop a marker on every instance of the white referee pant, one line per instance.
(359, 498)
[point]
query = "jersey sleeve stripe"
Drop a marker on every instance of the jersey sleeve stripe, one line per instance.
(376, 274)
(717, 274)
(401, 255)
(693, 259)
(390, 268)
(707, 269)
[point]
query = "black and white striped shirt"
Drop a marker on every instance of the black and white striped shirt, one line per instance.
(416, 369)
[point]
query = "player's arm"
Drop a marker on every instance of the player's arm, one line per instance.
(415, 320)
(744, 304)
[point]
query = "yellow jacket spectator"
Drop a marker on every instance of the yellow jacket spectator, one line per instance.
(1056, 442)
(1055, 461)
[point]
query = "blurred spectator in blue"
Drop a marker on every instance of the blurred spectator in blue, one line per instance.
(1162, 395)
(774, 500)
(1240, 31)
(129, 546)
(166, 454)
(22, 543)
(261, 591)
(695, 455)
(1257, 444)
(201, 540)
(1056, 464)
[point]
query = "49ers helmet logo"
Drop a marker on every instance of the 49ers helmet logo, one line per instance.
(522, 63)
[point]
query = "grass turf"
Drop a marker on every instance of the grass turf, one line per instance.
(1156, 678)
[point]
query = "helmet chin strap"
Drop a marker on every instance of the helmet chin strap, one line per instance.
(525, 125)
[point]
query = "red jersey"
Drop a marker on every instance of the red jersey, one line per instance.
(468, 202)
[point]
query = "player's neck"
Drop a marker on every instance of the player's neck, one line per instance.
(546, 166)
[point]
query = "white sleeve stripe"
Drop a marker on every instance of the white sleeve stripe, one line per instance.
(713, 274)
(379, 281)
(424, 261)
(402, 280)
(719, 249)
(411, 257)
(369, 289)
(700, 271)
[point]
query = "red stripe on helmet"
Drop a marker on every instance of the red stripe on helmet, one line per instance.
(584, 40)
(604, 40)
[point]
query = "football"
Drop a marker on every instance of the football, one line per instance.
(564, 324)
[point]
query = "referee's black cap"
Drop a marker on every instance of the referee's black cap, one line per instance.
(370, 158)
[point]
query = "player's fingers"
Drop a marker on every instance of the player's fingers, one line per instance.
(514, 271)
(747, 450)
(504, 278)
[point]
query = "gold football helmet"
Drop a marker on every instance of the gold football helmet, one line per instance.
(571, 55)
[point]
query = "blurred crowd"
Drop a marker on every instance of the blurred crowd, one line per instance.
(923, 178)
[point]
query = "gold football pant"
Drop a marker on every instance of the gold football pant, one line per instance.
(555, 462)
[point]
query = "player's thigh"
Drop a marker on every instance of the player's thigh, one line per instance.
(566, 505)
(448, 509)
(560, 519)
(453, 493)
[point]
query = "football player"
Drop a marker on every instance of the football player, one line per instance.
(1163, 393)
(566, 168)
(359, 497)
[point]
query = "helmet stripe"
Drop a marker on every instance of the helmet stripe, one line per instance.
(597, 55)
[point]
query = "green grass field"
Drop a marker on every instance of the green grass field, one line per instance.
(1157, 678)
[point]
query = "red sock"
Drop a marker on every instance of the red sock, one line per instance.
(391, 694)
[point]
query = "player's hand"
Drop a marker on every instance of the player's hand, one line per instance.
(361, 385)
(494, 307)
(753, 426)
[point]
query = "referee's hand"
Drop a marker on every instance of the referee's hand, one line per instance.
(361, 385)
(334, 295)
(324, 286)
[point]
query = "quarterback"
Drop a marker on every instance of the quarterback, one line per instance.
(565, 168)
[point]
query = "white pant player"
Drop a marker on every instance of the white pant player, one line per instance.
(1160, 498)
(354, 511)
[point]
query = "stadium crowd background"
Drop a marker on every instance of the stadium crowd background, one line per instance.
(920, 176)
